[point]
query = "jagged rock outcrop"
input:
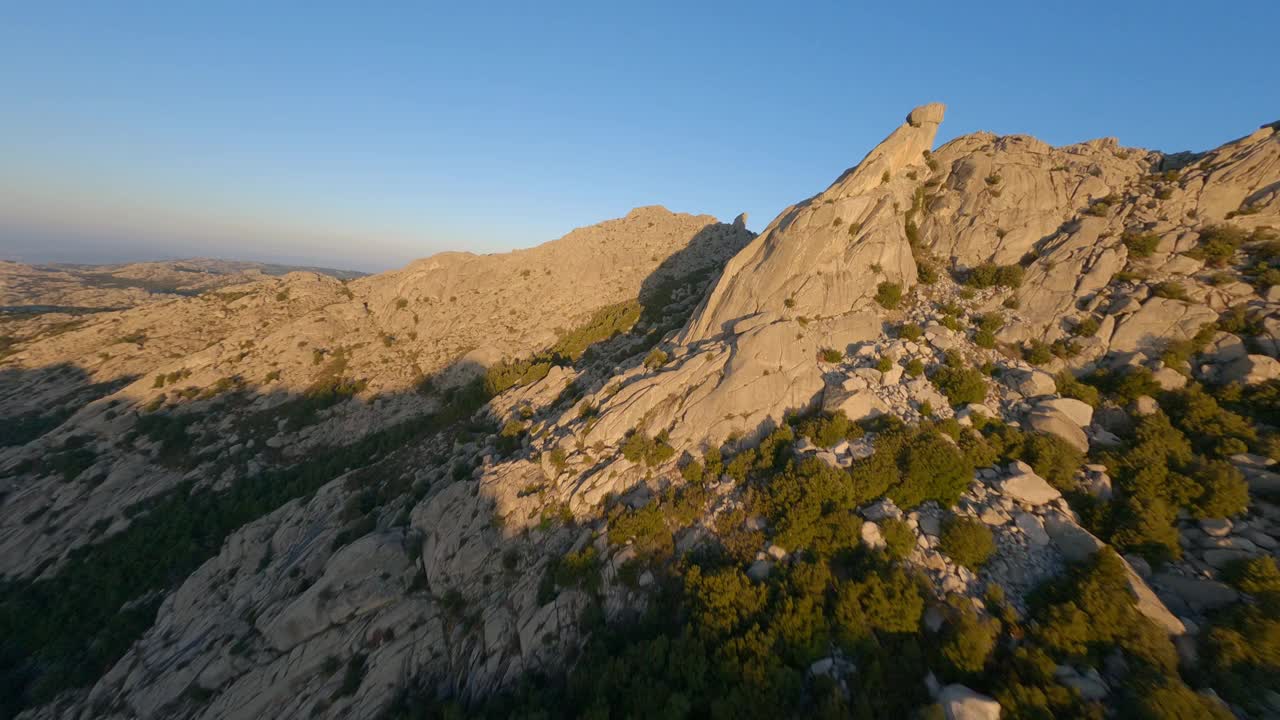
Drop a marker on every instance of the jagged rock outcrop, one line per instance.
(806, 283)
(995, 199)
(817, 258)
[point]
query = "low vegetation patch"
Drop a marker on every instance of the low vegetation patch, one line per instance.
(889, 295)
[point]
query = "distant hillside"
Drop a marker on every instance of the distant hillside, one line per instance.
(80, 288)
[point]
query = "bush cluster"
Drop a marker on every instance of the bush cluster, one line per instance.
(639, 447)
(889, 295)
(1160, 472)
(962, 385)
(967, 541)
(1140, 244)
(827, 429)
(989, 275)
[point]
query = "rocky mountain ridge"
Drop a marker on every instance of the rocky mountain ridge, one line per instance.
(90, 288)
(991, 426)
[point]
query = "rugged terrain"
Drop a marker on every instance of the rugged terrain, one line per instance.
(94, 288)
(980, 430)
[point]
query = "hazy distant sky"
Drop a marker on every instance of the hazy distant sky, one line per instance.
(363, 135)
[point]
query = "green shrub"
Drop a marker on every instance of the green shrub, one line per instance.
(724, 600)
(1053, 459)
(1257, 576)
(966, 541)
(1171, 290)
(1218, 244)
(960, 384)
(1238, 320)
(926, 271)
(605, 323)
(558, 458)
(579, 569)
(898, 536)
(1211, 427)
(1100, 208)
(505, 375)
(914, 368)
(829, 429)
(645, 527)
(1141, 245)
(639, 447)
(1224, 491)
(888, 602)
(1170, 698)
(884, 364)
(1071, 387)
(1037, 352)
(1178, 352)
(910, 331)
(889, 295)
(693, 472)
(656, 358)
(912, 232)
(933, 468)
(830, 355)
(1150, 476)
(990, 322)
(1125, 385)
(989, 275)
(968, 641)
(1087, 327)
(811, 505)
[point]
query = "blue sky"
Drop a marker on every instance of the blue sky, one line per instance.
(366, 135)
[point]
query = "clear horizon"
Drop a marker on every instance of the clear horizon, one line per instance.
(337, 137)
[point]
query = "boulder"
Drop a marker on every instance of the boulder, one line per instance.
(1144, 405)
(1032, 383)
(1074, 542)
(858, 405)
(1077, 544)
(1150, 606)
(960, 703)
(1224, 349)
(1097, 482)
(1032, 527)
(1222, 557)
(1056, 422)
(1159, 320)
(1249, 370)
(1169, 379)
(1078, 411)
(1029, 488)
(1198, 593)
(881, 510)
(1216, 527)
(760, 570)
(871, 536)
